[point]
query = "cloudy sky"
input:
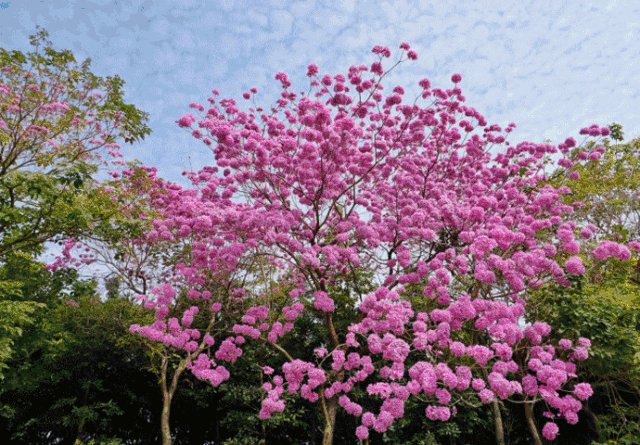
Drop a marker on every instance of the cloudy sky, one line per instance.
(552, 67)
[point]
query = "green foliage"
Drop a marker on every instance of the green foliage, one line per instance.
(14, 315)
(607, 188)
(47, 158)
(607, 312)
(100, 442)
(616, 132)
(26, 289)
(75, 370)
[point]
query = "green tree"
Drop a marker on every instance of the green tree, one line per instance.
(605, 190)
(64, 380)
(55, 127)
(604, 304)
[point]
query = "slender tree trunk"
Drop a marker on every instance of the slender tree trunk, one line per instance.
(329, 408)
(167, 396)
(495, 407)
(528, 413)
(497, 417)
(166, 408)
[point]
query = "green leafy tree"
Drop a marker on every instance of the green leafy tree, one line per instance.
(55, 127)
(26, 289)
(64, 380)
(605, 190)
(604, 304)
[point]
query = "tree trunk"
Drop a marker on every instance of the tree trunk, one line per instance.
(495, 406)
(528, 413)
(329, 408)
(166, 407)
(167, 395)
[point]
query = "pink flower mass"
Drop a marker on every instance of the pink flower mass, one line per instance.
(420, 198)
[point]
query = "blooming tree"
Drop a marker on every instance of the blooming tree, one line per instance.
(449, 221)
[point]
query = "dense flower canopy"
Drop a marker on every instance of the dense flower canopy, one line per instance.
(450, 223)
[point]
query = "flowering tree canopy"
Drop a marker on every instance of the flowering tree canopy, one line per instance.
(447, 222)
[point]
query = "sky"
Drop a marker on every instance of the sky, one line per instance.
(552, 67)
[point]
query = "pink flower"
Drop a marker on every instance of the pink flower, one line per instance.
(457, 349)
(580, 353)
(530, 384)
(584, 342)
(376, 68)
(564, 344)
(312, 70)
(456, 78)
(362, 432)
(571, 417)
(186, 120)
(566, 163)
(583, 391)
(574, 265)
(550, 430)
(486, 395)
(542, 328)
(320, 352)
(382, 50)
(323, 302)
(443, 396)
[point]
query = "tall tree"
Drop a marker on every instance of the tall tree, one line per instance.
(56, 126)
(341, 186)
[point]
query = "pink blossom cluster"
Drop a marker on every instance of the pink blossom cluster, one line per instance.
(176, 333)
(228, 350)
(66, 258)
(611, 249)
(323, 302)
(206, 369)
(438, 381)
(294, 375)
(272, 402)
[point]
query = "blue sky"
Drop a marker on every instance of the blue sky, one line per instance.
(552, 67)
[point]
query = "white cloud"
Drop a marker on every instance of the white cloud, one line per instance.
(227, 5)
(65, 13)
(281, 23)
(184, 39)
(257, 18)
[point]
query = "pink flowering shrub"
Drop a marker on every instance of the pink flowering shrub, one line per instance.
(425, 198)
